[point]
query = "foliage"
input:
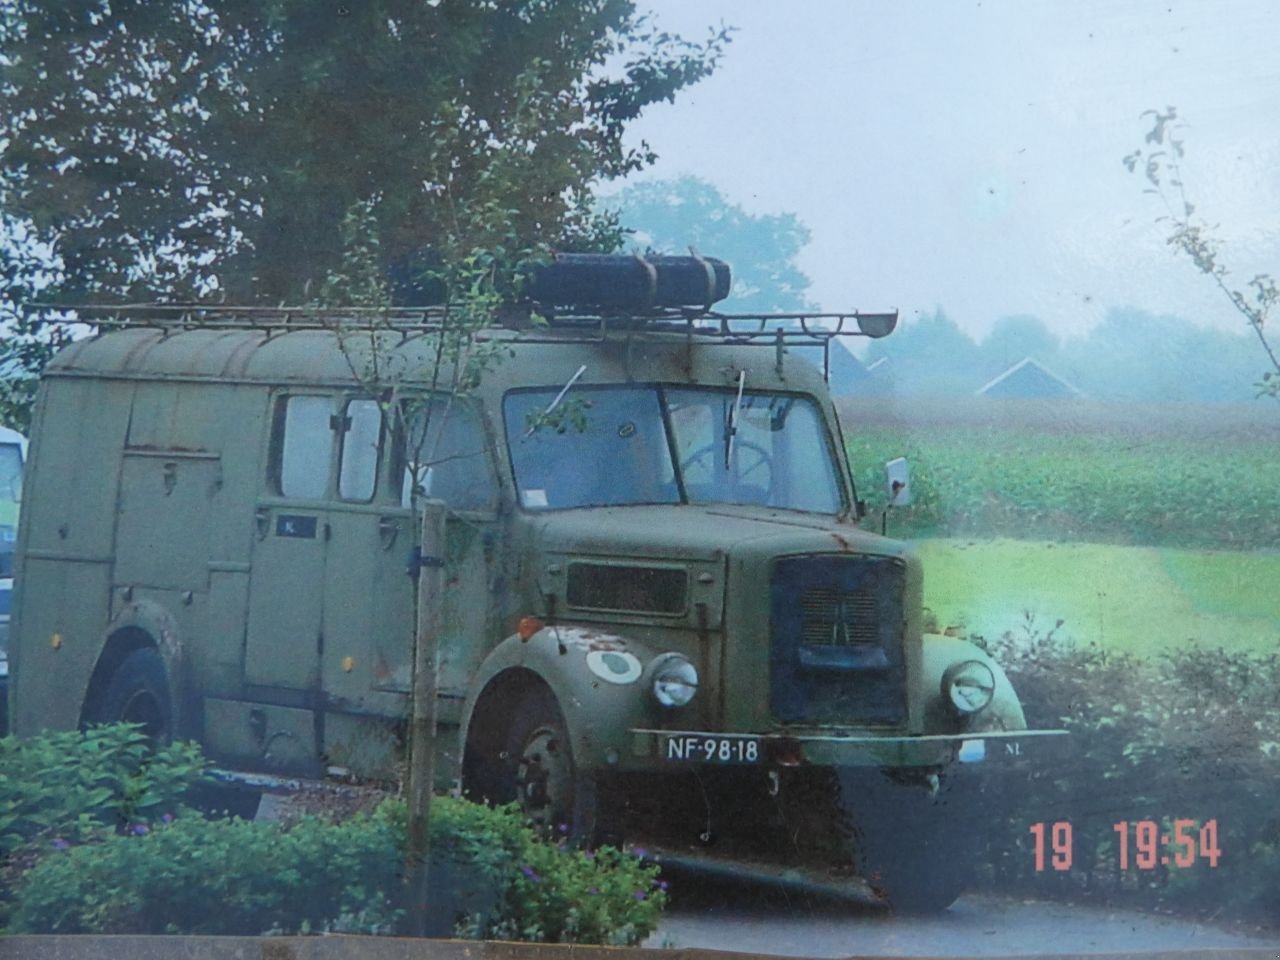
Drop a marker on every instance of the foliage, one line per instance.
(550, 892)
(930, 356)
(68, 785)
(179, 150)
(1130, 355)
(1033, 472)
(1193, 733)
(312, 874)
(671, 216)
(1013, 338)
(219, 876)
(1160, 161)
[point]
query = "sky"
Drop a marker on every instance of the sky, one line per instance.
(968, 155)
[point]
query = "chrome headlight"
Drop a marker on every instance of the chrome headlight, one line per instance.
(675, 680)
(969, 686)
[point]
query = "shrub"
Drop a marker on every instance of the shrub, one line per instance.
(1193, 733)
(227, 876)
(99, 858)
(549, 892)
(70, 783)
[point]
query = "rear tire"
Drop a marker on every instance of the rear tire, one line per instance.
(138, 692)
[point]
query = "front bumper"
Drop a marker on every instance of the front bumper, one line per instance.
(670, 749)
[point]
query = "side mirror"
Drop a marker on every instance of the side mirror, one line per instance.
(898, 480)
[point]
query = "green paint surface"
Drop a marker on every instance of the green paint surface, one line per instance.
(1139, 599)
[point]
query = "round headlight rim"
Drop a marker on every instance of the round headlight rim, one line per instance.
(661, 667)
(950, 680)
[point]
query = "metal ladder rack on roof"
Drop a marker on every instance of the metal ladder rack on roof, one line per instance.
(779, 330)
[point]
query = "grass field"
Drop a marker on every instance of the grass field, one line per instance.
(1137, 599)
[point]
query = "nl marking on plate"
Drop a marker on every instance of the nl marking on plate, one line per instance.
(713, 749)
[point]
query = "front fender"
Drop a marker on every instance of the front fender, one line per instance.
(942, 652)
(599, 679)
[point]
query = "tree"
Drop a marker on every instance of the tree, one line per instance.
(1160, 160)
(1013, 338)
(670, 216)
(931, 356)
(182, 149)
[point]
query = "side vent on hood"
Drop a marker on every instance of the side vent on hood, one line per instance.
(631, 589)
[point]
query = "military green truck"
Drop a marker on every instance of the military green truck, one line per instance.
(657, 614)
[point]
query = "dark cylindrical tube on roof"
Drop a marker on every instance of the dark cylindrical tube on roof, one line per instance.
(628, 282)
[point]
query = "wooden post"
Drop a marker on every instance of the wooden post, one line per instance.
(422, 727)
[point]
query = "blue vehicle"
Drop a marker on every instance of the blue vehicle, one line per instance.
(13, 454)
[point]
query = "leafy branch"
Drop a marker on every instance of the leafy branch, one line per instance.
(1159, 160)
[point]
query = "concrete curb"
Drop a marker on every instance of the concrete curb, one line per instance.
(396, 948)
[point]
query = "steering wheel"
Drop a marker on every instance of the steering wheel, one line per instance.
(762, 459)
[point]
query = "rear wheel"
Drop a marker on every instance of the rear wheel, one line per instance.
(138, 692)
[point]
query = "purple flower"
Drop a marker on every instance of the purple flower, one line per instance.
(640, 852)
(639, 894)
(563, 828)
(140, 830)
(663, 885)
(60, 844)
(594, 891)
(166, 818)
(531, 874)
(589, 854)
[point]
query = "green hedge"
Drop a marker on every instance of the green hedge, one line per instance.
(99, 843)
(1190, 734)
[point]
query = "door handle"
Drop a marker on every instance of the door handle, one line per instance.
(262, 518)
(388, 530)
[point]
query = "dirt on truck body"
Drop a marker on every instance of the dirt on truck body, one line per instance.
(657, 610)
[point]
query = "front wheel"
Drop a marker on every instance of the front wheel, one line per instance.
(137, 692)
(541, 774)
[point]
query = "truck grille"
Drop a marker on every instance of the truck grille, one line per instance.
(837, 649)
(839, 617)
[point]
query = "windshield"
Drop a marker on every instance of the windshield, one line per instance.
(614, 446)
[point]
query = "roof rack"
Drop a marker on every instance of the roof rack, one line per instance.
(806, 328)
(779, 330)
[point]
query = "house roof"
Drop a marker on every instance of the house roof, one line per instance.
(1029, 377)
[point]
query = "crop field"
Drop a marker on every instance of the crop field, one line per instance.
(1140, 528)
(1076, 471)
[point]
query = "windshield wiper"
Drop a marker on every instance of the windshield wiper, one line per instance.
(731, 428)
(556, 402)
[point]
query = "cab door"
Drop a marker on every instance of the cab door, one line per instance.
(442, 450)
(368, 621)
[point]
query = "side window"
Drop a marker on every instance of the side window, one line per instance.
(361, 444)
(306, 447)
(444, 455)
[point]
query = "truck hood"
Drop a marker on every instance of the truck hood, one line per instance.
(702, 532)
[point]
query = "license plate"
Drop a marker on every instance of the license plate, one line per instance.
(701, 749)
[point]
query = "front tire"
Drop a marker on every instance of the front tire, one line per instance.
(138, 692)
(542, 774)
